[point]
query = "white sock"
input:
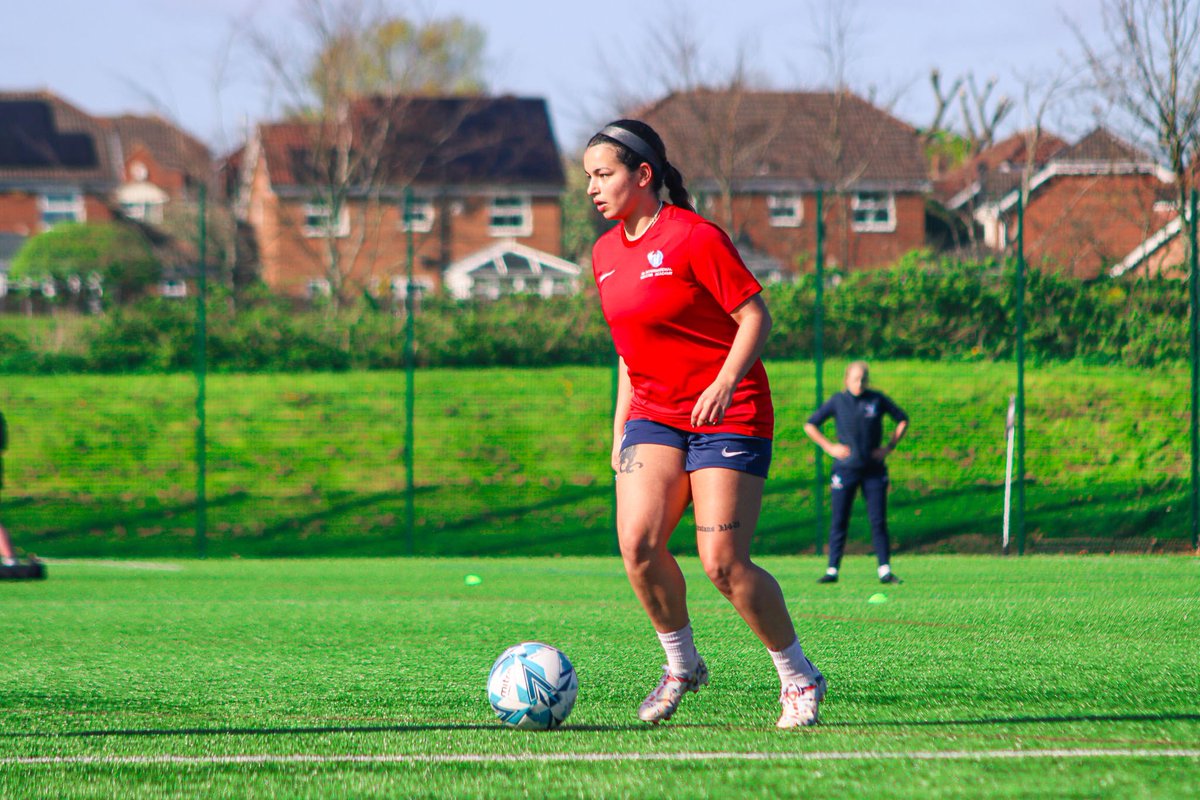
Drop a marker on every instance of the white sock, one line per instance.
(885, 570)
(831, 571)
(793, 666)
(9, 562)
(682, 658)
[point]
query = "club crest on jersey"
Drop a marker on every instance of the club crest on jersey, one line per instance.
(869, 410)
(655, 257)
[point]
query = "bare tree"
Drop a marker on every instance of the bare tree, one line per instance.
(713, 94)
(1039, 93)
(980, 115)
(349, 94)
(944, 99)
(1149, 70)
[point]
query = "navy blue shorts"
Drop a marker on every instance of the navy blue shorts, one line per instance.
(725, 450)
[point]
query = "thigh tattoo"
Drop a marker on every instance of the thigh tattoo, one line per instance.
(629, 460)
(723, 526)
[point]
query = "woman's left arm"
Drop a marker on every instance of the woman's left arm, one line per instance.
(754, 323)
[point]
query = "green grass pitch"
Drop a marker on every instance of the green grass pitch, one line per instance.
(980, 677)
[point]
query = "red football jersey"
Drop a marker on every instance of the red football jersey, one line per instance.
(666, 298)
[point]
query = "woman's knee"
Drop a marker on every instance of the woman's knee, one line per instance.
(726, 571)
(639, 550)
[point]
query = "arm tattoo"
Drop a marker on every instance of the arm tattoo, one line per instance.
(629, 460)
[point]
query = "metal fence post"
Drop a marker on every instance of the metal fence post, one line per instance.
(200, 363)
(616, 386)
(1020, 313)
(819, 365)
(1194, 282)
(409, 378)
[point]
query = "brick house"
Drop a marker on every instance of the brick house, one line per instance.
(992, 173)
(1091, 204)
(61, 164)
(453, 175)
(57, 163)
(160, 164)
(996, 170)
(755, 160)
(1167, 251)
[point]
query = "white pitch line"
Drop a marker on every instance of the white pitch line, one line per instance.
(88, 562)
(468, 758)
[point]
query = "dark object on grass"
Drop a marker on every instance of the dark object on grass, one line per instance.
(22, 571)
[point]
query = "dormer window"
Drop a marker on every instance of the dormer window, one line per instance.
(142, 201)
(138, 172)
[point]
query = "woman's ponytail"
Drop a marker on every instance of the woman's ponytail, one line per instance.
(676, 191)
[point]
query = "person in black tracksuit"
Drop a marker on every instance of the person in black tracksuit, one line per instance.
(859, 461)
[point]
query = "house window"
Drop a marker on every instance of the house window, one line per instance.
(417, 215)
(785, 210)
(874, 212)
(318, 222)
(59, 207)
(510, 215)
(145, 212)
(172, 288)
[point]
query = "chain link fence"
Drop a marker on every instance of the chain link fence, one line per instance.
(504, 460)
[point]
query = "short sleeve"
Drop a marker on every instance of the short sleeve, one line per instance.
(719, 268)
(823, 413)
(893, 410)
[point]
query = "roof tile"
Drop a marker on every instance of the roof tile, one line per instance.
(812, 138)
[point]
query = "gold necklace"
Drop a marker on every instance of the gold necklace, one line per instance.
(653, 220)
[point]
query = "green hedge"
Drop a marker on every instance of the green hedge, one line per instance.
(931, 309)
(922, 308)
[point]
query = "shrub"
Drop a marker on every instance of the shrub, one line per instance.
(117, 253)
(924, 308)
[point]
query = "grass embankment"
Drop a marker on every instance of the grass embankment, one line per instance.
(514, 461)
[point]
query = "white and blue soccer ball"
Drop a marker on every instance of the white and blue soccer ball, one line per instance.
(532, 686)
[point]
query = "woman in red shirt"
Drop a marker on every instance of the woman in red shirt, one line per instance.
(693, 418)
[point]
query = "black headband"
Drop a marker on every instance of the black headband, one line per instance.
(635, 143)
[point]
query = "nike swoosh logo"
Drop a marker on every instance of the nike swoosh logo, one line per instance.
(725, 452)
(604, 275)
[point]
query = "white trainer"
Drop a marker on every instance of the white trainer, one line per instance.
(660, 704)
(800, 703)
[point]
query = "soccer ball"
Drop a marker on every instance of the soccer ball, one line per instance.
(532, 686)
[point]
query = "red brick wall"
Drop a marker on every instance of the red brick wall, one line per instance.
(795, 248)
(1083, 224)
(19, 212)
(375, 251)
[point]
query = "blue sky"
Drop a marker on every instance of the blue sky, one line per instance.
(188, 59)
